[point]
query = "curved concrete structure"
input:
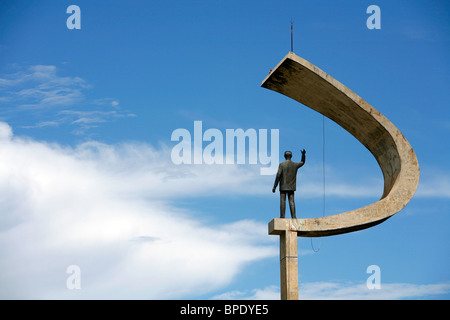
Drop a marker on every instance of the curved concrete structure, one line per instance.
(304, 82)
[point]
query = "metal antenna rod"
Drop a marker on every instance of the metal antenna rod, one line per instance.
(292, 36)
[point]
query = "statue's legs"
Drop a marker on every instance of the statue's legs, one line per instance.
(292, 204)
(290, 195)
(282, 204)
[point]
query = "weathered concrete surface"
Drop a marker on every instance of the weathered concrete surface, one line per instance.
(288, 265)
(304, 82)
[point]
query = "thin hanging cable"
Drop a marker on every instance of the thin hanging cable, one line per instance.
(323, 166)
(323, 181)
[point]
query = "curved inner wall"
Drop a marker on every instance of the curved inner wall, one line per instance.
(307, 87)
(307, 84)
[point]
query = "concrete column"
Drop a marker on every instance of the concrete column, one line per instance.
(287, 229)
(289, 265)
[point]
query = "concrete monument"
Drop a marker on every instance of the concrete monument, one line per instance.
(307, 84)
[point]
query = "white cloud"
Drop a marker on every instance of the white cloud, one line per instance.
(40, 86)
(434, 183)
(268, 293)
(346, 291)
(5, 132)
(310, 183)
(106, 209)
(61, 99)
(388, 291)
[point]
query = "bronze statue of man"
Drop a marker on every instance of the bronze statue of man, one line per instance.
(287, 177)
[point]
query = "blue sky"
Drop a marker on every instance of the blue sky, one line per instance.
(86, 176)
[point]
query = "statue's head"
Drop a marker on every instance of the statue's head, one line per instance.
(288, 155)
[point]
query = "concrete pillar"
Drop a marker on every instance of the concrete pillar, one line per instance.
(289, 265)
(287, 229)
